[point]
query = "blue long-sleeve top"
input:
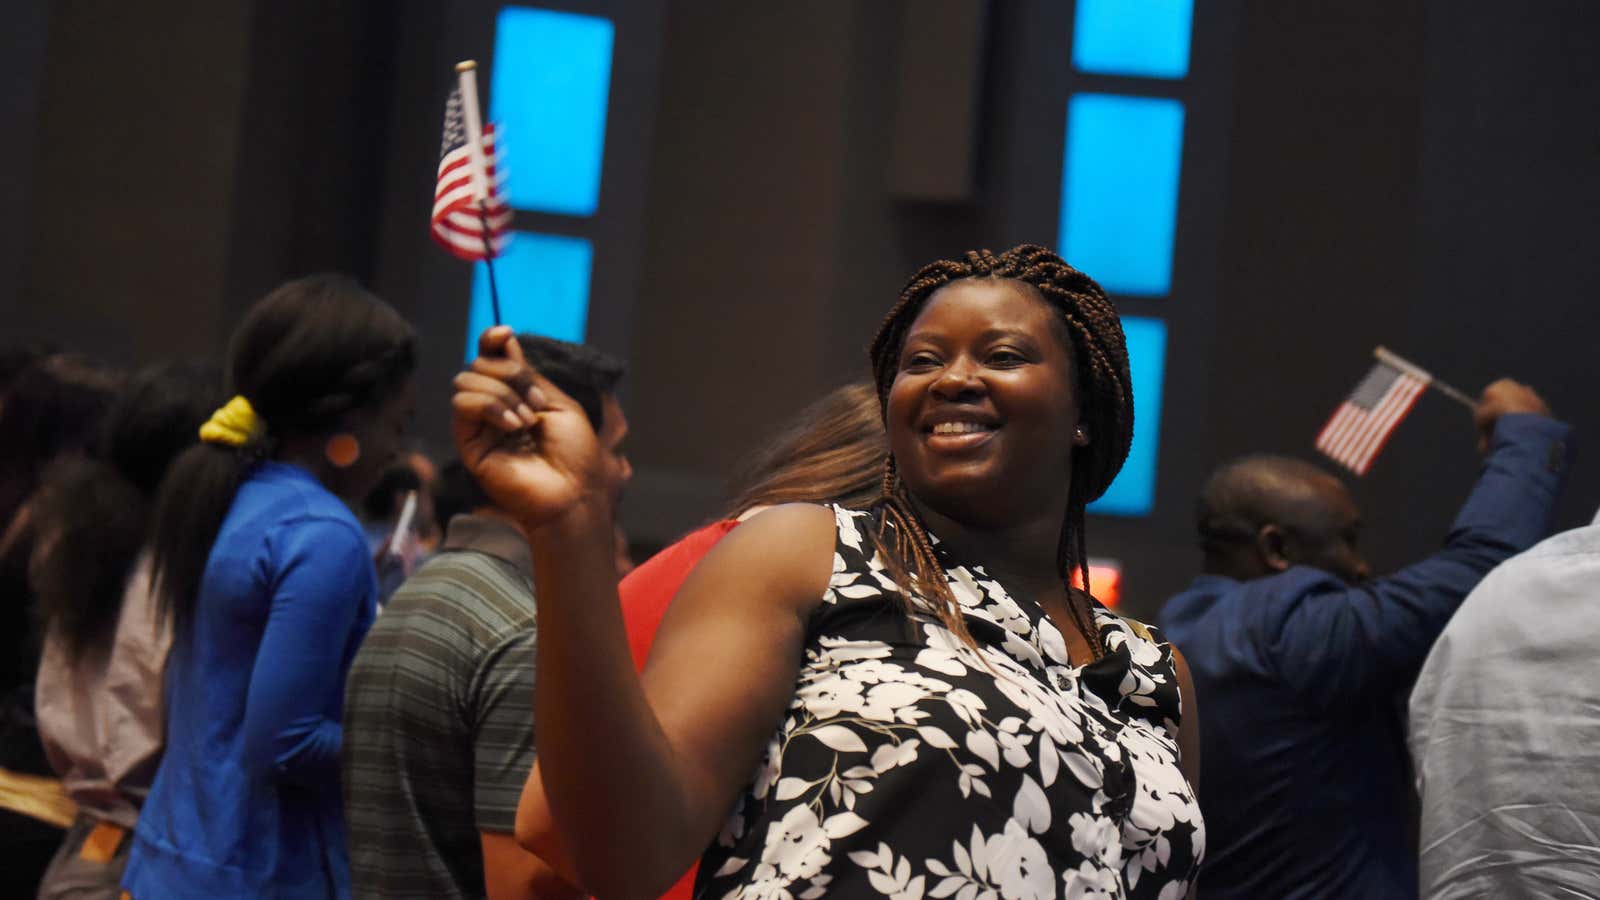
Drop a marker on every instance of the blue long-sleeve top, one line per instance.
(247, 801)
(1299, 679)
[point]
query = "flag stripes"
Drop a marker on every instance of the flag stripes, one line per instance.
(458, 224)
(1363, 423)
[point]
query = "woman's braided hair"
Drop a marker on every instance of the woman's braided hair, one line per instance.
(1105, 407)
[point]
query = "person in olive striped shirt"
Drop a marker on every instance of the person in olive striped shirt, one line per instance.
(439, 720)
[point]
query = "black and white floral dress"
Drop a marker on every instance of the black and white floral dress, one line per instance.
(910, 765)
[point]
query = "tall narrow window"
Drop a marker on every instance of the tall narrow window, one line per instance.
(544, 288)
(1120, 175)
(549, 94)
(1144, 38)
(1134, 491)
(1119, 190)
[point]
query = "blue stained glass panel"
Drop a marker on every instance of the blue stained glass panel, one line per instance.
(548, 94)
(1147, 38)
(1133, 493)
(1119, 190)
(544, 288)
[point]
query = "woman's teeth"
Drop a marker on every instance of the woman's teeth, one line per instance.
(960, 428)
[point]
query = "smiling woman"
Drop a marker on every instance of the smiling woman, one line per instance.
(952, 718)
(1024, 331)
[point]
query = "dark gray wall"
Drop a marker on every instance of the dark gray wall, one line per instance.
(1419, 174)
(1508, 231)
(186, 157)
(135, 147)
(22, 57)
(1319, 245)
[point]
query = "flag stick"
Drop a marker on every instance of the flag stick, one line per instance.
(1389, 358)
(467, 78)
(488, 263)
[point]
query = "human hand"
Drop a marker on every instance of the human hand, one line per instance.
(1502, 397)
(530, 446)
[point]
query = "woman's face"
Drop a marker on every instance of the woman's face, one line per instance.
(981, 415)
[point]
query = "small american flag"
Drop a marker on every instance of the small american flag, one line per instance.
(457, 223)
(1364, 421)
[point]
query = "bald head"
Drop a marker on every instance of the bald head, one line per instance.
(1260, 515)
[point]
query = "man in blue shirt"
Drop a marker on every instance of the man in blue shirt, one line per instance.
(1300, 659)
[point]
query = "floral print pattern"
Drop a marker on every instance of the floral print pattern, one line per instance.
(910, 765)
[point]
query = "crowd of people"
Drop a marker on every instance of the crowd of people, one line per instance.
(261, 647)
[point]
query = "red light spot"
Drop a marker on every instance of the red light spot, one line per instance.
(1105, 579)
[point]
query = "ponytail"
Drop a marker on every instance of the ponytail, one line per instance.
(188, 516)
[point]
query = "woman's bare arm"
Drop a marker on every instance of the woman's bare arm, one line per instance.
(638, 772)
(536, 830)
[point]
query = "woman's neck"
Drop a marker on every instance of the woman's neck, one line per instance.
(1023, 554)
(307, 453)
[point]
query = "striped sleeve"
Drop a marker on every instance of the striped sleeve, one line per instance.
(503, 730)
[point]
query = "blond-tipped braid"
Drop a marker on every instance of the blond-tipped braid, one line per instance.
(1105, 407)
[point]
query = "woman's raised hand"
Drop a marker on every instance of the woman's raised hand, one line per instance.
(527, 443)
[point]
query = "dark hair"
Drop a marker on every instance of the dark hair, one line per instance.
(309, 352)
(383, 501)
(1105, 405)
(1246, 493)
(584, 373)
(455, 491)
(833, 451)
(92, 513)
(52, 409)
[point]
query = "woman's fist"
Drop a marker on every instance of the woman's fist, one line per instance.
(530, 446)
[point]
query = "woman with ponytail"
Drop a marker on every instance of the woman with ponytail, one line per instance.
(98, 691)
(265, 576)
(910, 699)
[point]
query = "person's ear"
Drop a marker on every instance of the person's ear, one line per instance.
(1272, 548)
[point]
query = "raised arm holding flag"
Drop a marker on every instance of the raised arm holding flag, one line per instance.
(1300, 651)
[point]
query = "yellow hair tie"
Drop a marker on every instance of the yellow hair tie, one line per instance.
(234, 425)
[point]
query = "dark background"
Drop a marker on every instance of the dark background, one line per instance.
(1420, 174)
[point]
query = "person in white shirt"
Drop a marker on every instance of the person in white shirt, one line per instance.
(1505, 731)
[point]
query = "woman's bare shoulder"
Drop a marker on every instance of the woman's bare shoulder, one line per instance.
(785, 553)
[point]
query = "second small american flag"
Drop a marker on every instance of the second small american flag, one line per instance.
(1364, 421)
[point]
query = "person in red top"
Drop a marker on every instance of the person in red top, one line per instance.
(832, 452)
